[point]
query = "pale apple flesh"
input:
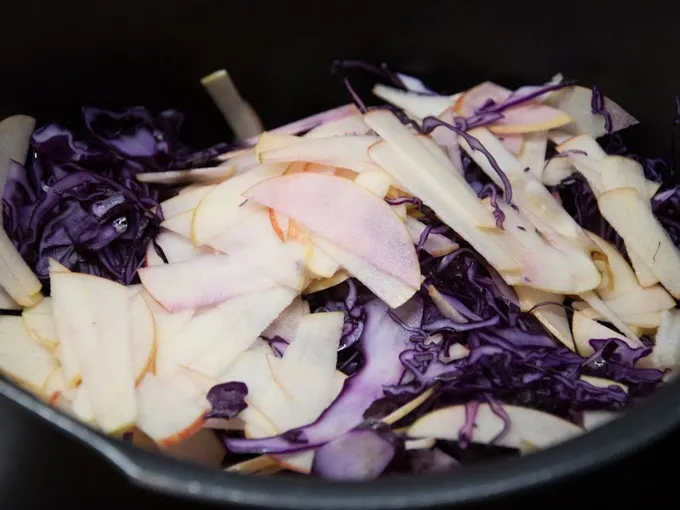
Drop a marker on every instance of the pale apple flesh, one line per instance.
(530, 429)
(22, 358)
(92, 315)
(369, 229)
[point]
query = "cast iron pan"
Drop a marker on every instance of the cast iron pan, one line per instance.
(58, 56)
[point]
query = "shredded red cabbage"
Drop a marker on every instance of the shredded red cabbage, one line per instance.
(227, 400)
(78, 200)
(598, 108)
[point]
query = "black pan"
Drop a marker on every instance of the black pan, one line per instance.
(57, 56)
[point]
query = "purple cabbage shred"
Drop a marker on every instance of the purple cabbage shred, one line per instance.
(78, 200)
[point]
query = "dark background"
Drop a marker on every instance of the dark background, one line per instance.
(57, 56)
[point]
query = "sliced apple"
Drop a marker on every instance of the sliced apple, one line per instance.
(80, 405)
(196, 175)
(306, 383)
(22, 358)
(177, 248)
(65, 352)
(368, 227)
(553, 318)
(436, 245)
(143, 337)
(40, 323)
(166, 324)
(448, 140)
(92, 316)
(416, 105)
(532, 155)
(474, 98)
(16, 277)
(392, 290)
(349, 152)
(558, 136)
(211, 342)
(6, 301)
(377, 182)
(327, 283)
(529, 118)
(321, 264)
(630, 215)
(576, 102)
(558, 267)
(218, 208)
(556, 170)
(523, 118)
(600, 382)
(514, 143)
(251, 240)
(620, 172)
(666, 353)
(352, 125)
(205, 281)
(642, 271)
(180, 224)
(171, 409)
(184, 201)
(489, 243)
(623, 278)
(585, 330)
(413, 165)
(639, 300)
(55, 385)
(595, 419)
(439, 153)
(533, 199)
(319, 119)
(286, 324)
(269, 141)
(603, 308)
(444, 307)
(645, 321)
(253, 368)
(529, 429)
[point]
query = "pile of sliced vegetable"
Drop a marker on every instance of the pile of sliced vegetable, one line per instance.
(411, 287)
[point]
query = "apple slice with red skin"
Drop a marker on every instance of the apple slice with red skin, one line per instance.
(203, 281)
(171, 409)
(218, 209)
(388, 288)
(251, 240)
(354, 218)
